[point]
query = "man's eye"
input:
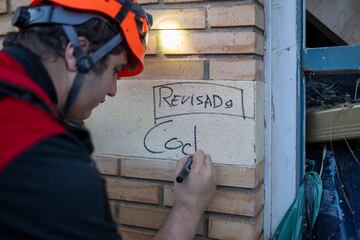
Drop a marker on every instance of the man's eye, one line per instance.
(115, 71)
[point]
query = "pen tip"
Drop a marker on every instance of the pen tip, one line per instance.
(179, 179)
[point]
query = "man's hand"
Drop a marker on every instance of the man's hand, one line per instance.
(191, 199)
(198, 188)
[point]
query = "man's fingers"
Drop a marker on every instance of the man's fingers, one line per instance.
(209, 164)
(213, 170)
(198, 160)
(180, 164)
(208, 160)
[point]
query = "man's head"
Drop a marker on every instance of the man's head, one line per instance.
(96, 85)
(93, 40)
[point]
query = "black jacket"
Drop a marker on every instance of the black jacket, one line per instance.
(49, 186)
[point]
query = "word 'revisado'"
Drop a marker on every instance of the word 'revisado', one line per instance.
(168, 98)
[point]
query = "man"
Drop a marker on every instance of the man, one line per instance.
(61, 64)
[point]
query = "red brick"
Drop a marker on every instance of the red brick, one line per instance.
(199, 237)
(237, 16)
(227, 175)
(107, 165)
(259, 44)
(236, 69)
(152, 44)
(187, 42)
(3, 6)
(173, 69)
(238, 176)
(5, 25)
(147, 1)
(246, 203)
(17, 3)
(181, 1)
(130, 190)
(128, 233)
(141, 216)
(147, 217)
(260, 17)
(113, 206)
(178, 18)
(235, 228)
(1, 41)
(133, 234)
(148, 169)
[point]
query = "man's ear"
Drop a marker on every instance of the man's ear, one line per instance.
(85, 44)
(70, 56)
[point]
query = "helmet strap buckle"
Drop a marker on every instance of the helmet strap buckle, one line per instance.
(84, 64)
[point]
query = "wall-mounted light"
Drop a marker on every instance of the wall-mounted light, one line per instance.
(171, 39)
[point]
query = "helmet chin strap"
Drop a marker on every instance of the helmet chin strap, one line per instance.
(84, 63)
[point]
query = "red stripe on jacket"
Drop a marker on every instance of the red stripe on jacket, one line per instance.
(12, 72)
(22, 125)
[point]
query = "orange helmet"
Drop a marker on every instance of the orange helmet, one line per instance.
(132, 19)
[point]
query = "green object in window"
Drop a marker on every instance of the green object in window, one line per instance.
(299, 220)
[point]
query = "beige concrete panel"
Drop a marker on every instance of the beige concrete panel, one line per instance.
(167, 119)
(259, 122)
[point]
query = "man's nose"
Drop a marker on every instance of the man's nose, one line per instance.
(113, 89)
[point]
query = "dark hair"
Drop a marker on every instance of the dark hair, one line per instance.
(49, 41)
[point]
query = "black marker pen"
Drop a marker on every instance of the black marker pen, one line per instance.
(185, 170)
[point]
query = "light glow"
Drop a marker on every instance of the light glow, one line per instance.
(170, 39)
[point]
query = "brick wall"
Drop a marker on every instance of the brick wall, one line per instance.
(141, 193)
(220, 40)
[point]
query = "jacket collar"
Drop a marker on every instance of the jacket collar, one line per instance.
(34, 69)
